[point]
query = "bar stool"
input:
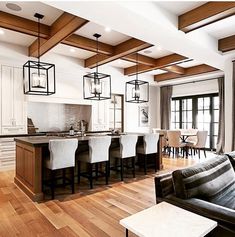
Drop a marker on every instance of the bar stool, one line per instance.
(150, 144)
(62, 156)
(126, 150)
(98, 153)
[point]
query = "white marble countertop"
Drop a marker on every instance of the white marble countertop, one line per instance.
(167, 220)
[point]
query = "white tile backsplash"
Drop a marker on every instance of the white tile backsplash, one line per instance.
(57, 117)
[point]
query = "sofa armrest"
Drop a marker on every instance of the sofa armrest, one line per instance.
(224, 216)
(163, 185)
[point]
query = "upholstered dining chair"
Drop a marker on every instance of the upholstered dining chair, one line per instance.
(98, 153)
(126, 150)
(149, 147)
(62, 156)
(174, 141)
(201, 142)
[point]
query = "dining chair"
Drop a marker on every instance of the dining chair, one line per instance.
(201, 142)
(175, 142)
(149, 147)
(62, 156)
(126, 150)
(98, 153)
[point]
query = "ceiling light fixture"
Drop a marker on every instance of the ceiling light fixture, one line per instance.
(72, 50)
(2, 32)
(97, 86)
(39, 77)
(107, 29)
(137, 91)
(13, 7)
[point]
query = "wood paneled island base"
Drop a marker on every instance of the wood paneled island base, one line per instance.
(29, 158)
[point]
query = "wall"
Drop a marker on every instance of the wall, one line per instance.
(228, 105)
(69, 85)
(195, 88)
(57, 117)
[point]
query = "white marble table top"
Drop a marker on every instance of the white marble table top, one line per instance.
(167, 220)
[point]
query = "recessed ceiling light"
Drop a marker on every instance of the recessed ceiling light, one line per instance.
(2, 32)
(107, 29)
(159, 48)
(72, 50)
(147, 51)
(13, 7)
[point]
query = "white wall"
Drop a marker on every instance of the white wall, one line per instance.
(195, 88)
(228, 80)
(69, 84)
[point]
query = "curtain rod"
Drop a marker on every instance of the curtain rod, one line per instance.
(183, 83)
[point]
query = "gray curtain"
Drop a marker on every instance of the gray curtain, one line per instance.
(221, 136)
(233, 101)
(165, 106)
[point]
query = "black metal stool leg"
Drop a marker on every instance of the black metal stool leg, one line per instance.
(121, 169)
(107, 172)
(133, 166)
(145, 164)
(72, 180)
(90, 176)
(52, 184)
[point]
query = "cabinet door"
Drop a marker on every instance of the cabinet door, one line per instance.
(19, 102)
(100, 115)
(7, 96)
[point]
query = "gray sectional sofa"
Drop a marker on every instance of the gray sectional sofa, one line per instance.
(207, 189)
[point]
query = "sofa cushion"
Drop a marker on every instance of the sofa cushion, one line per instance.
(206, 180)
(231, 156)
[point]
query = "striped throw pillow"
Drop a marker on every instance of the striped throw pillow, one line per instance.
(205, 180)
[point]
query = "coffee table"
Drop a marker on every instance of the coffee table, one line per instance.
(165, 220)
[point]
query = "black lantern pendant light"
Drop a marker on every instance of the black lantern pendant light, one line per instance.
(137, 91)
(39, 77)
(97, 86)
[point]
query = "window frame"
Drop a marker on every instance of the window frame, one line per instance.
(195, 113)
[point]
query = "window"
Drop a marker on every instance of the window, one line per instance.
(201, 112)
(116, 112)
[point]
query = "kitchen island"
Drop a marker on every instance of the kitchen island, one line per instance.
(30, 152)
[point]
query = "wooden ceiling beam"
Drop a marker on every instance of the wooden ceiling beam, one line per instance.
(142, 59)
(226, 44)
(204, 15)
(22, 25)
(62, 28)
(175, 69)
(121, 50)
(190, 71)
(160, 63)
(88, 44)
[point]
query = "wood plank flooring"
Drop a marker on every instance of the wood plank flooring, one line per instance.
(88, 213)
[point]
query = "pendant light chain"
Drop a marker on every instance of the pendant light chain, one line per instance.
(97, 57)
(137, 65)
(39, 45)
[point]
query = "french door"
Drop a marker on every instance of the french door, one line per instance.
(200, 111)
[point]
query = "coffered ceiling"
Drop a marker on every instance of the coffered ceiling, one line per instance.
(171, 43)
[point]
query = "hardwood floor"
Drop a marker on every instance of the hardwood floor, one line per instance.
(87, 213)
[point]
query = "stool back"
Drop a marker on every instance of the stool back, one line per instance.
(99, 149)
(128, 145)
(151, 143)
(62, 153)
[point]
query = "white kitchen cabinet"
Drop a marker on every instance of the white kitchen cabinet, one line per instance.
(13, 109)
(7, 152)
(100, 115)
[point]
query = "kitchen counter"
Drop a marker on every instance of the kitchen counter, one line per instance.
(30, 152)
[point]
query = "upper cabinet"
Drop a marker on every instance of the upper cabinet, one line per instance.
(100, 115)
(13, 109)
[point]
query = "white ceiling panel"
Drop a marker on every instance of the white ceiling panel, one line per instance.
(121, 63)
(32, 7)
(71, 51)
(16, 38)
(222, 28)
(189, 64)
(179, 8)
(156, 72)
(155, 52)
(112, 37)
